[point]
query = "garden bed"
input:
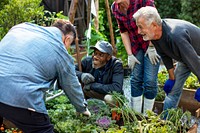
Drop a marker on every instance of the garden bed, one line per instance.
(64, 118)
(187, 101)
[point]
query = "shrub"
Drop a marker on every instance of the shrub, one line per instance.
(18, 11)
(168, 8)
(190, 11)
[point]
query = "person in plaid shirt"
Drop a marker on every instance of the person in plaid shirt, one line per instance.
(142, 56)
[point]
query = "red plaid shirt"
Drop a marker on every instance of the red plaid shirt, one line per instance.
(127, 24)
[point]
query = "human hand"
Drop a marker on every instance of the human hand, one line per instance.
(197, 95)
(87, 78)
(132, 60)
(85, 113)
(168, 86)
(153, 56)
(87, 87)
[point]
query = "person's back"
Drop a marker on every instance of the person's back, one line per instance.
(26, 58)
(32, 58)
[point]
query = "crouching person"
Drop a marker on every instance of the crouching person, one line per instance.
(101, 73)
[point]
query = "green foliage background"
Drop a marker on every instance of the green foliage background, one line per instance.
(190, 11)
(16, 11)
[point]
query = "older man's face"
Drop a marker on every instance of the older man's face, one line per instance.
(147, 31)
(99, 59)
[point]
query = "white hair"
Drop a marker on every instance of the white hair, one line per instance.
(149, 13)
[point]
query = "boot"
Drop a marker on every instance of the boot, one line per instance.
(136, 103)
(148, 105)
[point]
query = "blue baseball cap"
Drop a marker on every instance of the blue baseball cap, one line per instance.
(104, 47)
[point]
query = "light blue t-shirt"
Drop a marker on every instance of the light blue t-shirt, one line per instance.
(32, 57)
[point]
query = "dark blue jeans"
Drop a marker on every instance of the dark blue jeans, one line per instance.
(144, 77)
(26, 120)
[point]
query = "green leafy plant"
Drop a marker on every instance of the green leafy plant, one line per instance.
(192, 82)
(48, 18)
(63, 116)
(18, 11)
(190, 11)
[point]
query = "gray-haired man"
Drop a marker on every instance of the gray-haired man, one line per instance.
(173, 39)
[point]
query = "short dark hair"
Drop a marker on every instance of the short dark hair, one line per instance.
(65, 26)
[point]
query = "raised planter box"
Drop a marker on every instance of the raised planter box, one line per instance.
(187, 101)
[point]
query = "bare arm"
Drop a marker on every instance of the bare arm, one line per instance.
(127, 43)
(171, 74)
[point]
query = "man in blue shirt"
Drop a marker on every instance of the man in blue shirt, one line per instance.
(32, 58)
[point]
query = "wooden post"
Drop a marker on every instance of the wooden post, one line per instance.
(110, 27)
(66, 7)
(78, 52)
(88, 12)
(72, 10)
(96, 19)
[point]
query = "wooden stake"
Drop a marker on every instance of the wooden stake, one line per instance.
(96, 19)
(78, 52)
(197, 113)
(72, 10)
(88, 12)
(110, 27)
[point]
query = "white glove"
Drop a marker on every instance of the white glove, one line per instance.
(132, 60)
(153, 56)
(109, 100)
(87, 113)
(87, 78)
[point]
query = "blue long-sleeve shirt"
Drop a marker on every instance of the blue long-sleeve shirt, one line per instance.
(32, 57)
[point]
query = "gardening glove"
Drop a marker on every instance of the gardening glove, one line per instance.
(131, 61)
(87, 113)
(153, 56)
(197, 95)
(168, 86)
(87, 87)
(87, 78)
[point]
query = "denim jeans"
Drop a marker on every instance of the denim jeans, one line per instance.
(181, 74)
(143, 77)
